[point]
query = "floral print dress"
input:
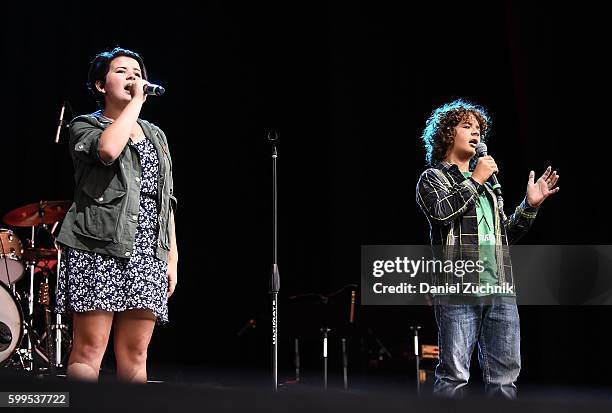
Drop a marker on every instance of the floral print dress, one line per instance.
(91, 281)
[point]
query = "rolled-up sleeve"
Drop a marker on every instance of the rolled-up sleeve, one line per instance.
(85, 142)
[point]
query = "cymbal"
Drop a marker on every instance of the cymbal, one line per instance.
(43, 212)
(35, 254)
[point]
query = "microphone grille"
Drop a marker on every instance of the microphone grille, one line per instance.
(481, 149)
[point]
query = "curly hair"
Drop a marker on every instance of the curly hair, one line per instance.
(439, 132)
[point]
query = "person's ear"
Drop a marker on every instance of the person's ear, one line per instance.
(100, 87)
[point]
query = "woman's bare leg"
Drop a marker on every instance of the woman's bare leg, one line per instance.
(91, 330)
(133, 331)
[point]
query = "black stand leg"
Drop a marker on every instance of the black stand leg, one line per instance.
(416, 356)
(344, 364)
(297, 360)
(325, 331)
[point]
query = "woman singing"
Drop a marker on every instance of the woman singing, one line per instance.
(119, 259)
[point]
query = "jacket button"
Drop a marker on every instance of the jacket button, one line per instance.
(127, 254)
(101, 199)
(134, 217)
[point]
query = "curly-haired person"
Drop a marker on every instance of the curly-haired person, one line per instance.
(464, 213)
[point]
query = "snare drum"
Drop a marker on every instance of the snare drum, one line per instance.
(11, 266)
(11, 324)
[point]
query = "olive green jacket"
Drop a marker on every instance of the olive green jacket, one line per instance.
(104, 214)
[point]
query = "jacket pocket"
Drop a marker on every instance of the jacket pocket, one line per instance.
(98, 214)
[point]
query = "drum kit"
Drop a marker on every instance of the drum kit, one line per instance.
(32, 336)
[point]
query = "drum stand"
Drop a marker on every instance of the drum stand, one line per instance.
(25, 356)
(50, 346)
(60, 329)
(29, 333)
(54, 334)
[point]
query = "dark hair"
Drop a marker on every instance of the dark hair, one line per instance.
(439, 132)
(100, 66)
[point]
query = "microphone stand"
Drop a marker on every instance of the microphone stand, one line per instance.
(61, 122)
(58, 327)
(275, 276)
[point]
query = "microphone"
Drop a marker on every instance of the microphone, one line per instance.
(155, 90)
(481, 150)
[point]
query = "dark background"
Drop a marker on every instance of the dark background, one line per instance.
(348, 86)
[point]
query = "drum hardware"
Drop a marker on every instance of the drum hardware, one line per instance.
(61, 330)
(29, 333)
(39, 254)
(13, 325)
(59, 354)
(42, 212)
(21, 346)
(50, 344)
(11, 266)
(43, 299)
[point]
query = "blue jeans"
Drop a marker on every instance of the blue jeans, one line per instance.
(494, 326)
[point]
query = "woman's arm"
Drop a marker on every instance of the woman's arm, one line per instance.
(172, 257)
(115, 136)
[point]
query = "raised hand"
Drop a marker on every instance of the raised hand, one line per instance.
(541, 189)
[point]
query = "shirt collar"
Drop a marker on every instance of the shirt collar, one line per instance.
(451, 169)
(101, 118)
(445, 166)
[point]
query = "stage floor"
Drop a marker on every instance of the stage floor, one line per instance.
(242, 390)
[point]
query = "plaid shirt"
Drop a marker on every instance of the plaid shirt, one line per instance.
(448, 200)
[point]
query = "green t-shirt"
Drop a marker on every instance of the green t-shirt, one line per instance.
(486, 237)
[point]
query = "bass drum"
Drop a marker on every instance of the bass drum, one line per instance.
(11, 324)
